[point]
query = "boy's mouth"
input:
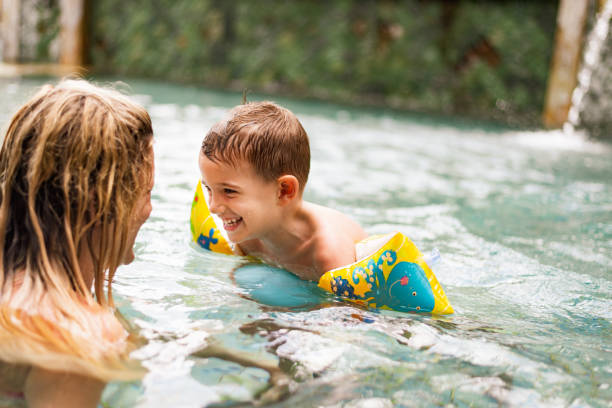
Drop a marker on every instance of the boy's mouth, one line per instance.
(232, 223)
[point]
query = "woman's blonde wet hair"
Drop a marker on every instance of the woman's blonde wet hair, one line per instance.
(74, 161)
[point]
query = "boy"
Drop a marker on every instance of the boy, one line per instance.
(254, 166)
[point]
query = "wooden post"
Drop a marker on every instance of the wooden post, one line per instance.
(11, 24)
(562, 79)
(72, 32)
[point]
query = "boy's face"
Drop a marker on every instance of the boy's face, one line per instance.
(245, 202)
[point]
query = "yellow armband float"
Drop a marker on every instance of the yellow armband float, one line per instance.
(394, 275)
(204, 230)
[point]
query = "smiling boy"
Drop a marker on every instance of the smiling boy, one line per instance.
(255, 165)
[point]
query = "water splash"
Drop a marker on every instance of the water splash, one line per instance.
(589, 109)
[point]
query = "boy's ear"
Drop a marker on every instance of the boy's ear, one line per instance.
(288, 187)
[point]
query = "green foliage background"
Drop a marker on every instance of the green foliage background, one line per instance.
(413, 55)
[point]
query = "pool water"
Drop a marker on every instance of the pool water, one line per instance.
(523, 220)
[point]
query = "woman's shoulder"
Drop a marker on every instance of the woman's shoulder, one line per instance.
(94, 344)
(12, 379)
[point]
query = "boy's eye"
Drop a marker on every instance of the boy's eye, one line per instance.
(229, 191)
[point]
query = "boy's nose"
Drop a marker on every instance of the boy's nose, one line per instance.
(215, 206)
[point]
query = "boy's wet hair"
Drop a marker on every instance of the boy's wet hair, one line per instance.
(268, 136)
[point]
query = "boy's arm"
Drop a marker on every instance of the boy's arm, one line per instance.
(246, 248)
(334, 254)
(336, 245)
(238, 250)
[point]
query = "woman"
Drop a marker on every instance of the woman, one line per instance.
(76, 173)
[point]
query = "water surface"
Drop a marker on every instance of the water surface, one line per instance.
(523, 220)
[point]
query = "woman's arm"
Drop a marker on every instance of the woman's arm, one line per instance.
(44, 388)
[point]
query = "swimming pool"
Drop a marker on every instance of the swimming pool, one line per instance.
(523, 220)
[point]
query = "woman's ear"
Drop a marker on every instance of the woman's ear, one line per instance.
(288, 188)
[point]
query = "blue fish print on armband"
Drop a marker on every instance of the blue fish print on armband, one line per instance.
(406, 288)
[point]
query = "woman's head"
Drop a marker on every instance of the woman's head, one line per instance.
(75, 172)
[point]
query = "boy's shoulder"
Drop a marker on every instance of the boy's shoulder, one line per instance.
(335, 238)
(335, 225)
(333, 253)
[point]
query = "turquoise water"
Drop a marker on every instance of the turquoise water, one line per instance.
(523, 220)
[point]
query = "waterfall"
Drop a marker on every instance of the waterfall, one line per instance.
(592, 99)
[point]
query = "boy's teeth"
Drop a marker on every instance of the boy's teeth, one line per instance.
(233, 221)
